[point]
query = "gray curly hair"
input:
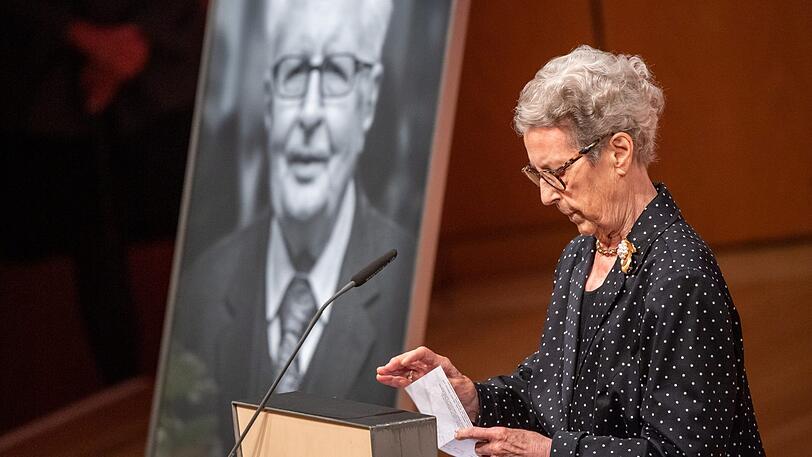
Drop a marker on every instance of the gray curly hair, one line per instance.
(591, 94)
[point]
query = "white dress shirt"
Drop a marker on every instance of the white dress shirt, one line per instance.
(323, 278)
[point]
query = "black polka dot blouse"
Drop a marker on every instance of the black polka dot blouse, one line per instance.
(656, 370)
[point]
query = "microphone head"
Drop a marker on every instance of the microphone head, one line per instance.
(374, 267)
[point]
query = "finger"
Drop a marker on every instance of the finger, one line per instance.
(483, 434)
(405, 373)
(422, 355)
(487, 448)
(393, 381)
(390, 368)
(411, 360)
(394, 364)
(425, 360)
(406, 376)
(396, 372)
(473, 433)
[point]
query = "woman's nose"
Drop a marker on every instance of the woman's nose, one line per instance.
(548, 195)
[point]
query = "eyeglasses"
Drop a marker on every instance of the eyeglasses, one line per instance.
(553, 177)
(338, 72)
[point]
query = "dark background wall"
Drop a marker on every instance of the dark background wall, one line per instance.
(94, 121)
(734, 150)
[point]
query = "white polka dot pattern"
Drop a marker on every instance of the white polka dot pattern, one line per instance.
(662, 365)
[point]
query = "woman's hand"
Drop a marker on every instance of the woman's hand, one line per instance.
(507, 442)
(410, 366)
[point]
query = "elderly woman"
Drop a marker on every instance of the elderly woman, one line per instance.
(641, 353)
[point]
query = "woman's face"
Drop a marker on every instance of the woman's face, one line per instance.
(588, 200)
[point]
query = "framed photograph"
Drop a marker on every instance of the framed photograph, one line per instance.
(320, 142)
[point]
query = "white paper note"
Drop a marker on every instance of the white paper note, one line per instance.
(433, 395)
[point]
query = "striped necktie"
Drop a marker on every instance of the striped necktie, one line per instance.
(297, 308)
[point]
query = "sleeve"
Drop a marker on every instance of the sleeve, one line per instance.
(504, 400)
(689, 359)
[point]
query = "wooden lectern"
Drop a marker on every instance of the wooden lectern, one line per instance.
(297, 424)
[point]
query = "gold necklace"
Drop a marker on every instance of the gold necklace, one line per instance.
(624, 250)
(608, 252)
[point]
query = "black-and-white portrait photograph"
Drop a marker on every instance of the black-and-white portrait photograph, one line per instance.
(309, 159)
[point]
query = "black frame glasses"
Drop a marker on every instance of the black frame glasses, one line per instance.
(553, 177)
(290, 75)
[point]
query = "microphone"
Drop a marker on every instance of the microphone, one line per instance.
(374, 267)
(364, 275)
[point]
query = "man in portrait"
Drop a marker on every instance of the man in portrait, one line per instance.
(244, 303)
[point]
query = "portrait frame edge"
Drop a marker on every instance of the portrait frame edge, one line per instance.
(183, 216)
(422, 278)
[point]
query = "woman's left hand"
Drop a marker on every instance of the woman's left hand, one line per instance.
(507, 442)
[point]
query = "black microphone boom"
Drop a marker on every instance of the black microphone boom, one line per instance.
(357, 280)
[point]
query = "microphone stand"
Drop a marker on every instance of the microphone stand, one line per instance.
(267, 397)
(358, 280)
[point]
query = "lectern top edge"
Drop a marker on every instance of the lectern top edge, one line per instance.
(340, 411)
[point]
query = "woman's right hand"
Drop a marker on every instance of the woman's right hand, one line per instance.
(410, 366)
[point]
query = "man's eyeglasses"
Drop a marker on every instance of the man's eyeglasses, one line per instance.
(338, 72)
(553, 177)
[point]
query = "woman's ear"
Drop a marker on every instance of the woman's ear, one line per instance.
(621, 152)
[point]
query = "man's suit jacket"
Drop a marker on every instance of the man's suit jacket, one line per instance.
(220, 315)
(663, 372)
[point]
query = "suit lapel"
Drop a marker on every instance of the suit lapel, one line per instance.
(569, 353)
(243, 338)
(343, 346)
(349, 335)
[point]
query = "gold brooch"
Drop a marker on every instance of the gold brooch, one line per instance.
(624, 250)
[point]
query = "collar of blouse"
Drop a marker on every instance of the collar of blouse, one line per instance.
(658, 215)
